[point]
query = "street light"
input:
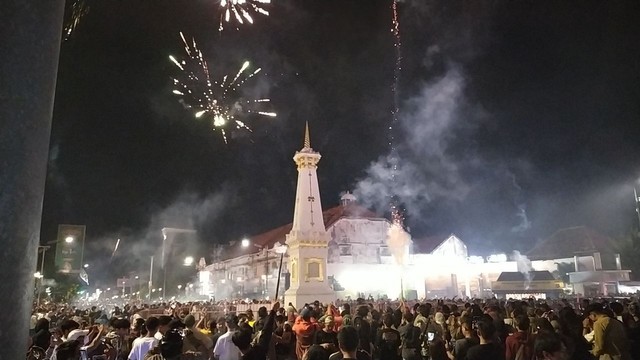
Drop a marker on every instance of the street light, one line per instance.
(245, 243)
(179, 287)
(279, 249)
(69, 239)
(86, 266)
(188, 261)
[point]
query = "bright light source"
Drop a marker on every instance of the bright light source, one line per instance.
(69, 239)
(188, 261)
(497, 258)
(245, 242)
(191, 286)
(86, 266)
(179, 287)
(37, 275)
(108, 289)
(279, 248)
(160, 289)
(476, 260)
(137, 277)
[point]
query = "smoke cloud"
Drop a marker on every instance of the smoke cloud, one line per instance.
(426, 170)
(187, 211)
(524, 267)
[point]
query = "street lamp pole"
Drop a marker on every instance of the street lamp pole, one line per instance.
(44, 251)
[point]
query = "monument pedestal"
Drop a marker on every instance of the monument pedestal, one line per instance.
(307, 295)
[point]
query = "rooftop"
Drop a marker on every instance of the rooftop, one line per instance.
(269, 238)
(518, 276)
(569, 242)
(427, 245)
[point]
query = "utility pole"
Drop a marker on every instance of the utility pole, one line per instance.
(44, 251)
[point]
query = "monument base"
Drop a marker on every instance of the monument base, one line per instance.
(307, 295)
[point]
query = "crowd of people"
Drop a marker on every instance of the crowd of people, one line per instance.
(362, 330)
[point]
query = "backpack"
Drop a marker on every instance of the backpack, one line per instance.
(411, 340)
(201, 349)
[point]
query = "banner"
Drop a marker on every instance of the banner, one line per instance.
(70, 248)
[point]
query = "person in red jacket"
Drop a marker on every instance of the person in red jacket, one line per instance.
(305, 328)
(521, 341)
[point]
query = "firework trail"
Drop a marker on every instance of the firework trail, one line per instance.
(239, 11)
(397, 44)
(398, 240)
(218, 101)
(73, 15)
(115, 249)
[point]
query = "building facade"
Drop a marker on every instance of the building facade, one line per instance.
(344, 252)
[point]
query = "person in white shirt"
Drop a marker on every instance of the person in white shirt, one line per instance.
(142, 345)
(225, 349)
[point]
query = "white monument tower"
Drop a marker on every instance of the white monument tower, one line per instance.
(308, 239)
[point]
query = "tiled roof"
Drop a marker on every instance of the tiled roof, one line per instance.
(270, 237)
(518, 276)
(569, 242)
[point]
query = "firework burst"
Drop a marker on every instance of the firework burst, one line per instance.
(239, 11)
(73, 15)
(219, 101)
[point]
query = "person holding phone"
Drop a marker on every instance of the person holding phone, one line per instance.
(487, 349)
(458, 349)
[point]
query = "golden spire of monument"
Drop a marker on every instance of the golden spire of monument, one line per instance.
(307, 141)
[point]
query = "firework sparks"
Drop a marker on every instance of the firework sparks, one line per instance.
(217, 101)
(397, 44)
(239, 11)
(73, 16)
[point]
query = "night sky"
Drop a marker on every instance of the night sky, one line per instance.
(516, 119)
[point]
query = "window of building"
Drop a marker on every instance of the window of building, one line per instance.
(384, 251)
(345, 250)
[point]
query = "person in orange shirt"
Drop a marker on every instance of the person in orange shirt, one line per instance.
(305, 328)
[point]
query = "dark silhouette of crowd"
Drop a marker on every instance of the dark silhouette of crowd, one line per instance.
(439, 330)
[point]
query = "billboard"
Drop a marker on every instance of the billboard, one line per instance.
(70, 248)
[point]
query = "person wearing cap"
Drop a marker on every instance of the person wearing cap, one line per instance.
(195, 340)
(224, 348)
(609, 338)
(326, 337)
